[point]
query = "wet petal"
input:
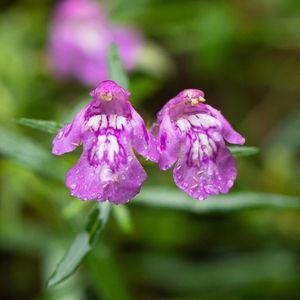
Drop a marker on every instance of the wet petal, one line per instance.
(143, 142)
(69, 137)
(210, 177)
(169, 144)
(103, 181)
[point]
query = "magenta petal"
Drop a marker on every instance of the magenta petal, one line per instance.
(210, 178)
(132, 177)
(192, 133)
(80, 37)
(169, 141)
(130, 43)
(69, 137)
(108, 128)
(102, 183)
(143, 142)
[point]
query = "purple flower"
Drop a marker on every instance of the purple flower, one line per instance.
(192, 134)
(108, 128)
(79, 40)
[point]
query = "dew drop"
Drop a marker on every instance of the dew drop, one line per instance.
(129, 158)
(230, 182)
(73, 186)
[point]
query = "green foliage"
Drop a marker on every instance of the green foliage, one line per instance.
(242, 245)
(116, 68)
(161, 197)
(240, 151)
(82, 244)
(42, 125)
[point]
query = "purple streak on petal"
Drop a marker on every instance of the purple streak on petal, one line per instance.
(192, 133)
(107, 128)
(105, 180)
(211, 177)
(170, 141)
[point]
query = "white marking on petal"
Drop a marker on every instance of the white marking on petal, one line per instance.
(183, 125)
(216, 136)
(207, 121)
(194, 120)
(213, 145)
(195, 149)
(112, 121)
(103, 121)
(204, 142)
(105, 173)
(94, 122)
(112, 147)
(101, 146)
(121, 122)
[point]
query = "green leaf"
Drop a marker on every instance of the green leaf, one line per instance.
(225, 273)
(116, 68)
(30, 154)
(175, 199)
(122, 216)
(106, 274)
(51, 127)
(240, 151)
(82, 244)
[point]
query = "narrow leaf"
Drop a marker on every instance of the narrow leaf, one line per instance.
(175, 199)
(222, 274)
(30, 154)
(116, 68)
(240, 151)
(122, 216)
(82, 244)
(51, 127)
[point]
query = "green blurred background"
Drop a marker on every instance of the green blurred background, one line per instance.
(245, 55)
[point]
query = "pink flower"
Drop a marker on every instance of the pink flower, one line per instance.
(191, 134)
(79, 40)
(108, 128)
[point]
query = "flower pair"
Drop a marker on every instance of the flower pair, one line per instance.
(187, 132)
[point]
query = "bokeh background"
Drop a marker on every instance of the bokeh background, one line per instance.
(245, 55)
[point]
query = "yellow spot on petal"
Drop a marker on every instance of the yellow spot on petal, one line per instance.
(106, 96)
(201, 99)
(189, 95)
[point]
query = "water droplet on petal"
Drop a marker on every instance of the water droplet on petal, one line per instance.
(73, 186)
